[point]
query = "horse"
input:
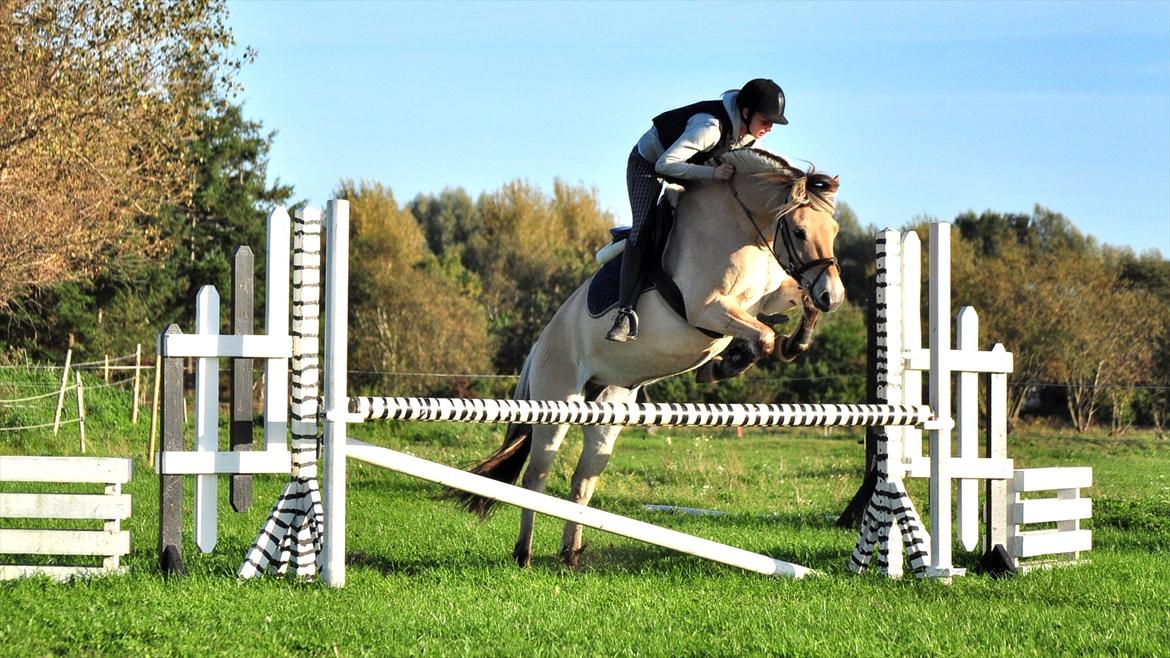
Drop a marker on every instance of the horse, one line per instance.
(759, 244)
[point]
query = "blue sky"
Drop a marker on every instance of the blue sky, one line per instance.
(922, 109)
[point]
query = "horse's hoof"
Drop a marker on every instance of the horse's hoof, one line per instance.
(772, 319)
(789, 350)
(523, 558)
(571, 557)
(706, 372)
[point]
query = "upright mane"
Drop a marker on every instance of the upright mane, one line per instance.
(820, 187)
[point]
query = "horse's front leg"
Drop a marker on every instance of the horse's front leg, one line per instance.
(730, 319)
(739, 356)
(801, 340)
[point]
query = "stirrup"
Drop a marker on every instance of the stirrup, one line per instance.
(625, 326)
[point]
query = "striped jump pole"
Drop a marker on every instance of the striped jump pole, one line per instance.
(557, 412)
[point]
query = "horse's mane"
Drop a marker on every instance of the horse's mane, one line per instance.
(771, 168)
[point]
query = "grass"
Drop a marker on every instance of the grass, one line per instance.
(426, 579)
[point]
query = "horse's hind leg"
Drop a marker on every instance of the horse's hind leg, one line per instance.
(598, 446)
(546, 440)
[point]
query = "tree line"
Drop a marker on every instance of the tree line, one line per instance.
(129, 174)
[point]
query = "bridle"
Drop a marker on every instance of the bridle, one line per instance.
(794, 267)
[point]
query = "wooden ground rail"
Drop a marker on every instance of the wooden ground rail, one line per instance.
(112, 506)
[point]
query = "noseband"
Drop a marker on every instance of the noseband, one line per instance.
(794, 267)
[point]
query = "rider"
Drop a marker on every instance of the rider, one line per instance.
(676, 148)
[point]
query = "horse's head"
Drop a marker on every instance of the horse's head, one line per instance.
(807, 231)
(793, 211)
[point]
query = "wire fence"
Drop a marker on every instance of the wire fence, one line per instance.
(113, 368)
(29, 405)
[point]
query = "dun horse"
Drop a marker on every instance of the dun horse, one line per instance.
(761, 243)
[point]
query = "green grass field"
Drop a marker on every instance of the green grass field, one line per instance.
(427, 579)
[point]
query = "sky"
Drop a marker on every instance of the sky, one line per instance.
(922, 109)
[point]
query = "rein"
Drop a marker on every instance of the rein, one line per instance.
(795, 267)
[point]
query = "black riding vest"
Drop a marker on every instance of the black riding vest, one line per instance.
(673, 123)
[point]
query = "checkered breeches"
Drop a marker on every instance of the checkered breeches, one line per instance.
(644, 187)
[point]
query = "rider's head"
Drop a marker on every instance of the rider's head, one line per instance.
(761, 104)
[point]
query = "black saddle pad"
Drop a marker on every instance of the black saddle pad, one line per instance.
(603, 288)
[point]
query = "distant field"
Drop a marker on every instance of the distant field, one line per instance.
(426, 579)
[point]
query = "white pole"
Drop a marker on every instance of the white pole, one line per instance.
(940, 401)
(276, 324)
(911, 335)
(967, 430)
(997, 498)
(61, 395)
(206, 421)
(580, 514)
(336, 403)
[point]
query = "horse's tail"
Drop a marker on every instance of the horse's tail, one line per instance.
(505, 464)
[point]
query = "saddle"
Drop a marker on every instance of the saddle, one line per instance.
(603, 289)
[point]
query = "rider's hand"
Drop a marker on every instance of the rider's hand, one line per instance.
(724, 171)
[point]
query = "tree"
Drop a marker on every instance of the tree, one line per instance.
(97, 99)
(407, 314)
(530, 252)
(449, 220)
(1149, 277)
(192, 244)
(1057, 301)
(855, 252)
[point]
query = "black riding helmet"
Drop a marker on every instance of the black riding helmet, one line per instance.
(762, 96)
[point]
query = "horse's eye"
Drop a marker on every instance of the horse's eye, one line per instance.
(800, 234)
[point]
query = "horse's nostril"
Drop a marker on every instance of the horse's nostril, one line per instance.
(826, 298)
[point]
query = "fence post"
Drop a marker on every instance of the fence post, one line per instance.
(61, 395)
(154, 407)
(941, 512)
(243, 287)
(335, 399)
(106, 370)
(80, 410)
(137, 375)
(207, 420)
(170, 491)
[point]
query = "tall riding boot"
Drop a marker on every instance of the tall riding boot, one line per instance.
(625, 326)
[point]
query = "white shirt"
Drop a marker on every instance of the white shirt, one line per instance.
(702, 134)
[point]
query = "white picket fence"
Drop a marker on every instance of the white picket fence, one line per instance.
(111, 506)
(207, 346)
